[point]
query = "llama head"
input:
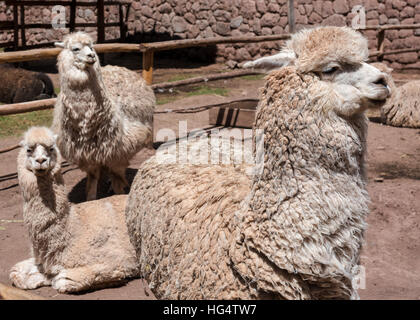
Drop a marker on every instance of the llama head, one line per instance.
(78, 57)
(42, 155)
(337, 57)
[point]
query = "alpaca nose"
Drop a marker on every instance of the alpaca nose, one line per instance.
(381, 80)
(41, 160)
(91, 55)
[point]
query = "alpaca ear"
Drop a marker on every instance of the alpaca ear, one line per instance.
(59, 44)
(277, 61)
(21, 143)
(55, 137)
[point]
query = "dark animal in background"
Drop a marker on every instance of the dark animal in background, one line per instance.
(19, 85)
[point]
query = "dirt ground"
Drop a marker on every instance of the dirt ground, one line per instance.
(391, 255)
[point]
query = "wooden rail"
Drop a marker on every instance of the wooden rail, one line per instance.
(148, 49)
(42, 54)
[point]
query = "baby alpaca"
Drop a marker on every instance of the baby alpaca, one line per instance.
(74, 247)
(103, 116)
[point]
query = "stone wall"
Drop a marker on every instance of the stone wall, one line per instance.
(182, 19)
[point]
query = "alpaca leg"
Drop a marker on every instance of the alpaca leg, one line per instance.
(118, 180)
(84, 278)
(92, 183)
(26, 275)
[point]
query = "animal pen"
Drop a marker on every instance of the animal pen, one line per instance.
(237, 113)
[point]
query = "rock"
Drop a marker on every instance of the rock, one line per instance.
(383, 19)
(165, 8)
(231, 64)
(269, 20)
(398, 4)
(315, 18)
(147, 11)
(208, 33)
(407, 12)
(179, 24)
(273, 7)
(392, 13)
(340, 6)
(404, 33)
(308, 9)
(266, 31)
(190, 17)
(334, 20)
(248, 9)
(327, 9)
(261, 7)
(256, 26)
(243, 54)
(236, 22)
(223, 28)
(166, 20)
(408, 57)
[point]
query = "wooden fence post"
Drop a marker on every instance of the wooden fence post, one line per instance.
(72, 15)
(16, 26)
(100, 21)
(381, 38)
(22, 26)
(148, 66)
(291, 16)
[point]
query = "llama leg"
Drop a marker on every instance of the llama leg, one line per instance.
(92, 183)
(118, 180)
(26, 275)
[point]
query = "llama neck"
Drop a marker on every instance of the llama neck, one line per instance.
(46, 210)
(306, 208)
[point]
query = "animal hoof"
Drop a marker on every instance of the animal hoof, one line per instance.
(64, 285)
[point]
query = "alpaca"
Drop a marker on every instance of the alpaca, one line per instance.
(73, 247)
(292, 230)
(103, 116)
(403, 107)
(20, 85)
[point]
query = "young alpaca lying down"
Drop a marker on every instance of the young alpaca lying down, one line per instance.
(295, 229)
(74, 247)
(402, 109)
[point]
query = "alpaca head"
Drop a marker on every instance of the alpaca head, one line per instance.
(42, 155)
(336, 56)
(78, 57)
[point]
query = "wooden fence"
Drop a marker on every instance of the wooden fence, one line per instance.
(19, 24)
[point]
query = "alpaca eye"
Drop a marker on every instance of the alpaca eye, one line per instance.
(76, 49)
(51, 149)
(330, 70)
(29, 150)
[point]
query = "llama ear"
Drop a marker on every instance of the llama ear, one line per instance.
(59, 44)
(277, 61)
